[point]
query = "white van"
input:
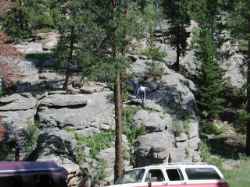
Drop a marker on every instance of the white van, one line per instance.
(173, 175)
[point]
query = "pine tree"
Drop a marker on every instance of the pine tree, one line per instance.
(16, 22)
(23, 17)
(78, 37)
(177, 15)
(211, 84)
(121, 21)
(240, 24)
(209, 14)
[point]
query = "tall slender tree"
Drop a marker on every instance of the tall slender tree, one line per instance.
(78, 36)
(176, 13)
(121, 21)
(210, 78)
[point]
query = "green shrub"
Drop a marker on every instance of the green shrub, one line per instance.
(97, 142)
(154, 53)
(214, 127)
(129, 129)
(241, 121)
(31, 137)
(39, 57)
(206, 156)
(1, 92)
(16, 23)
(100, 173)
(180, 127)
(155, 70)
(7, 151)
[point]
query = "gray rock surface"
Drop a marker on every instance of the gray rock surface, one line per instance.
(153, 148)
(60, 101)
(152, 121)
(173, 91)
(17, 102)
(233, 64)
(57, 142)
(97, 114)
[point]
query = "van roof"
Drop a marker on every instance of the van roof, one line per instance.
(20, 167)
(201, 165)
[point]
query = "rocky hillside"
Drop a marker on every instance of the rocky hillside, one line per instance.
(76, 128)
(50, 124)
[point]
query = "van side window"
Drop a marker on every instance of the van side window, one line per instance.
(44, 180)
(11, 181)
(202, 174)
(156, 175)
(175, 175)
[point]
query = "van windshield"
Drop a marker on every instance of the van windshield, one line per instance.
(132, 176)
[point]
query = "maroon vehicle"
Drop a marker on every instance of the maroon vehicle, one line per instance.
(32, 174)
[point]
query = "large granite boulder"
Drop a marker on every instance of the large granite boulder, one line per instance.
(177, 143)
(153, 148)
(87, 114)
(152, 121)
(56, 142)
(17, 102)
(173, 91)
(17, 112)
(61, 101)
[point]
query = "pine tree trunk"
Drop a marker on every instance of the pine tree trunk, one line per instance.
(70, 59)
(177, 63)
(248, 96)
(118, 130)
(118, 167)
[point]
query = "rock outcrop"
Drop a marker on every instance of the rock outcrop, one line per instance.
(87, 114)
(169, 117)
(66, 120)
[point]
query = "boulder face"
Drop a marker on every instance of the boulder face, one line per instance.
(169, 117)
(152, 121)
(17, 112)
(87, 114)
(153, 148)
(173, 92)
(168, 145)
(17, 102)
(60, 101)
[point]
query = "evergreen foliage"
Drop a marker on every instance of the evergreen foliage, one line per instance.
(16, 22)
(26, 16)
(176, 13)
(240, 27)
(211, 84)
(211, 14)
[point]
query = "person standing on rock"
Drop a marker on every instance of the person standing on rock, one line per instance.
(135, 84)
(142, 94)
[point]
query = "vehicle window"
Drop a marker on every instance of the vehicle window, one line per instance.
(156, 175)
(37, 180)
(133, 176)
(175, 175)
(11, 181)
(202, 174)
(44, 180)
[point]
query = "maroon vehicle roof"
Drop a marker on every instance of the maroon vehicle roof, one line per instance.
(26, 167)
